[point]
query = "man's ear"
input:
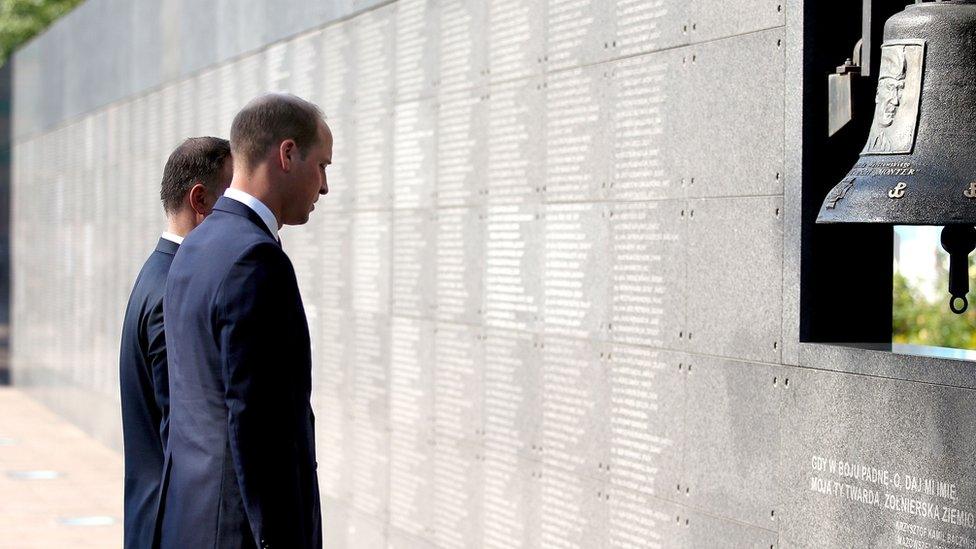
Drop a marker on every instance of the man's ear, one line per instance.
(286, 154)
(199, 199)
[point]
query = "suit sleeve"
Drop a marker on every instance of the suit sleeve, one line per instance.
(256, 323)
(156, 338)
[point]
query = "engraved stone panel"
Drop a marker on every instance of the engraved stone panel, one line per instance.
(459, 268)
(414, 154)
(411, 437)
(250, 77)
(186, 114)
(575, 270)
(417, 35)
(207, 86)
(647, 407)
(369, 393)
(511, 500)
(305, 71)
(463, 44)
(640, 131)
(459, 383)
(711, 20)
(577, 118)
(332, 377)
(732, 438)
(575, 422)
(462, 147)
(516, 39)
(573, 511)
(515, 140)
(637, 26)
(227, 103)
(301, 245)
(704, 530)
(341, 174)
(841, 484)
(277, 67)
(371, 262)
(339, 70)
(333, 250)
(513, 412)
(414, 256)
(576, 32)
(372, 174)
(373, 34)
(647, 296)
(635, 519)
(726, 149)
(741, 271)
(458, 488)
(513, 256)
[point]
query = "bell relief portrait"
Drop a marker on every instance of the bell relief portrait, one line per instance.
(896, 102)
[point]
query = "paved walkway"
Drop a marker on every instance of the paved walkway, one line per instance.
(86, 486)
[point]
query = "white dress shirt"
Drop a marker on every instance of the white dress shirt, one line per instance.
(259, 208)
(173, 237)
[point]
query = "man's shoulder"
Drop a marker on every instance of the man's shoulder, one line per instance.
(150, 284)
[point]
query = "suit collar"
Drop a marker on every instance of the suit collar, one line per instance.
(229, 205)
(167, 246)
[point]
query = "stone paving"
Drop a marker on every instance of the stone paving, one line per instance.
(86, 484)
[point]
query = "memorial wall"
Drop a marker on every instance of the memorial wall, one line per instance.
(552, 292)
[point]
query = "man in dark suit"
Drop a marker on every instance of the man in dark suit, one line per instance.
(241, 456)
(196, 174)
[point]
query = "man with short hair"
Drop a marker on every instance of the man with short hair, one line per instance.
(196, 174)
(240, 464)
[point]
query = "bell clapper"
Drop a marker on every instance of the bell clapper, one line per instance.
(959, 241)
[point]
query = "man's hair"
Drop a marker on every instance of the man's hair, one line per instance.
(269, 119)
(196, 160)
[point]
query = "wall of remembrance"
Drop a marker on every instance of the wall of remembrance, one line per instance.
(546, 292)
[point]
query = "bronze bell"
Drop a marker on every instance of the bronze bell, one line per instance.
(918, 166)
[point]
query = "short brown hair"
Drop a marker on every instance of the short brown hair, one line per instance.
(195, 160)
(269, 119)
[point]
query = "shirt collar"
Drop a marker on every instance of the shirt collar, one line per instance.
(259, 208)
(174, 238)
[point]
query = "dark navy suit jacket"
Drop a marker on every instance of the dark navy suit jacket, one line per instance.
(240, 462)
(145, 396)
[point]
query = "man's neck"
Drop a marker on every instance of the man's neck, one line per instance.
(179, 224)
(258, 185)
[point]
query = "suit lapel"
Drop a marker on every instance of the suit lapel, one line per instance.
(232, 206)
(167, 246)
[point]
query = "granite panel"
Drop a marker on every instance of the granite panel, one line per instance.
(649, 243)
(729, 149)
(734, 289)
(575, 277)
(577, 120)
(458, 270)
(574, 432)
(414, 263)
(874, 462)
(710, 21)
(733, 437)
(415, 154)
(647, 416)
(516, 39)
(417, 49)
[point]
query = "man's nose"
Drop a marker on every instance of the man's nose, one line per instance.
(324, 189)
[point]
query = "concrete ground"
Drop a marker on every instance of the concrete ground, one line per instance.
(51, 476)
